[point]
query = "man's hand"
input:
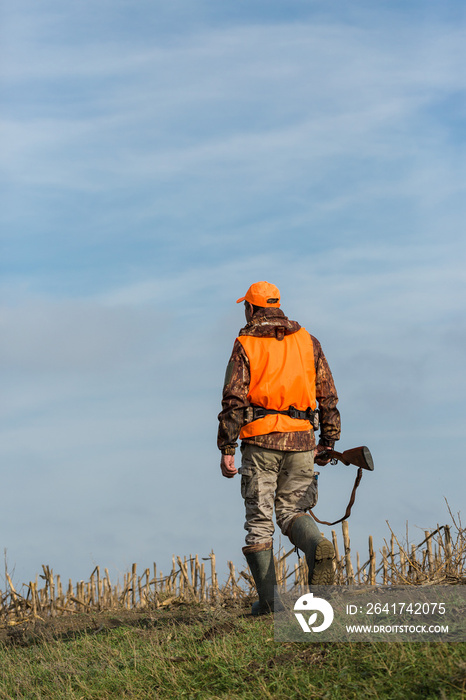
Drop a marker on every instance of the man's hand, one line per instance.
(227, 465)
(321, 461)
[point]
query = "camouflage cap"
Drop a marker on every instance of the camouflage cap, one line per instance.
(262, 294)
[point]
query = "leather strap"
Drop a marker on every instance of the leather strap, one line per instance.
(348, 507)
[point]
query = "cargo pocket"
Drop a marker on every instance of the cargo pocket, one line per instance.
(311, 495)
(249, 483)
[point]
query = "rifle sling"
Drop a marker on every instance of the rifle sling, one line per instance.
(349, 506)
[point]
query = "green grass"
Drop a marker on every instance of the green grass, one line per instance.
(199, 652)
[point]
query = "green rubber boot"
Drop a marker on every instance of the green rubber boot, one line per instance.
(318, 551)
(263, 572)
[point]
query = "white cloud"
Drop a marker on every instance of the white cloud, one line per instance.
(269, 102)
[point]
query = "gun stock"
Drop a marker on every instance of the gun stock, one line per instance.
(357, 456)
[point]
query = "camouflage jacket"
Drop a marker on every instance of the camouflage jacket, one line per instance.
(236, 386)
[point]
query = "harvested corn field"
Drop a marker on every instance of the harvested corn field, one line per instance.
(439, 558)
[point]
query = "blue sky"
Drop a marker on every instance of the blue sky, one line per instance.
(158, 158)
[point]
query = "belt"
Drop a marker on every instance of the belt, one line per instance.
(260, 412)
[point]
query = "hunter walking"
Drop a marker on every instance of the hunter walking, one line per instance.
(275, 381)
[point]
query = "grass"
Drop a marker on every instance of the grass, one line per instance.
(195, 651)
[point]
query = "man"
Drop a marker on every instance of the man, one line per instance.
(276, 376)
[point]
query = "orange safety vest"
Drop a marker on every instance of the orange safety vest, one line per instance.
(282, 375)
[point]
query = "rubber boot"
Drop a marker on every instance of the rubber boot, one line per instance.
(263, 571)
(318, 551)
